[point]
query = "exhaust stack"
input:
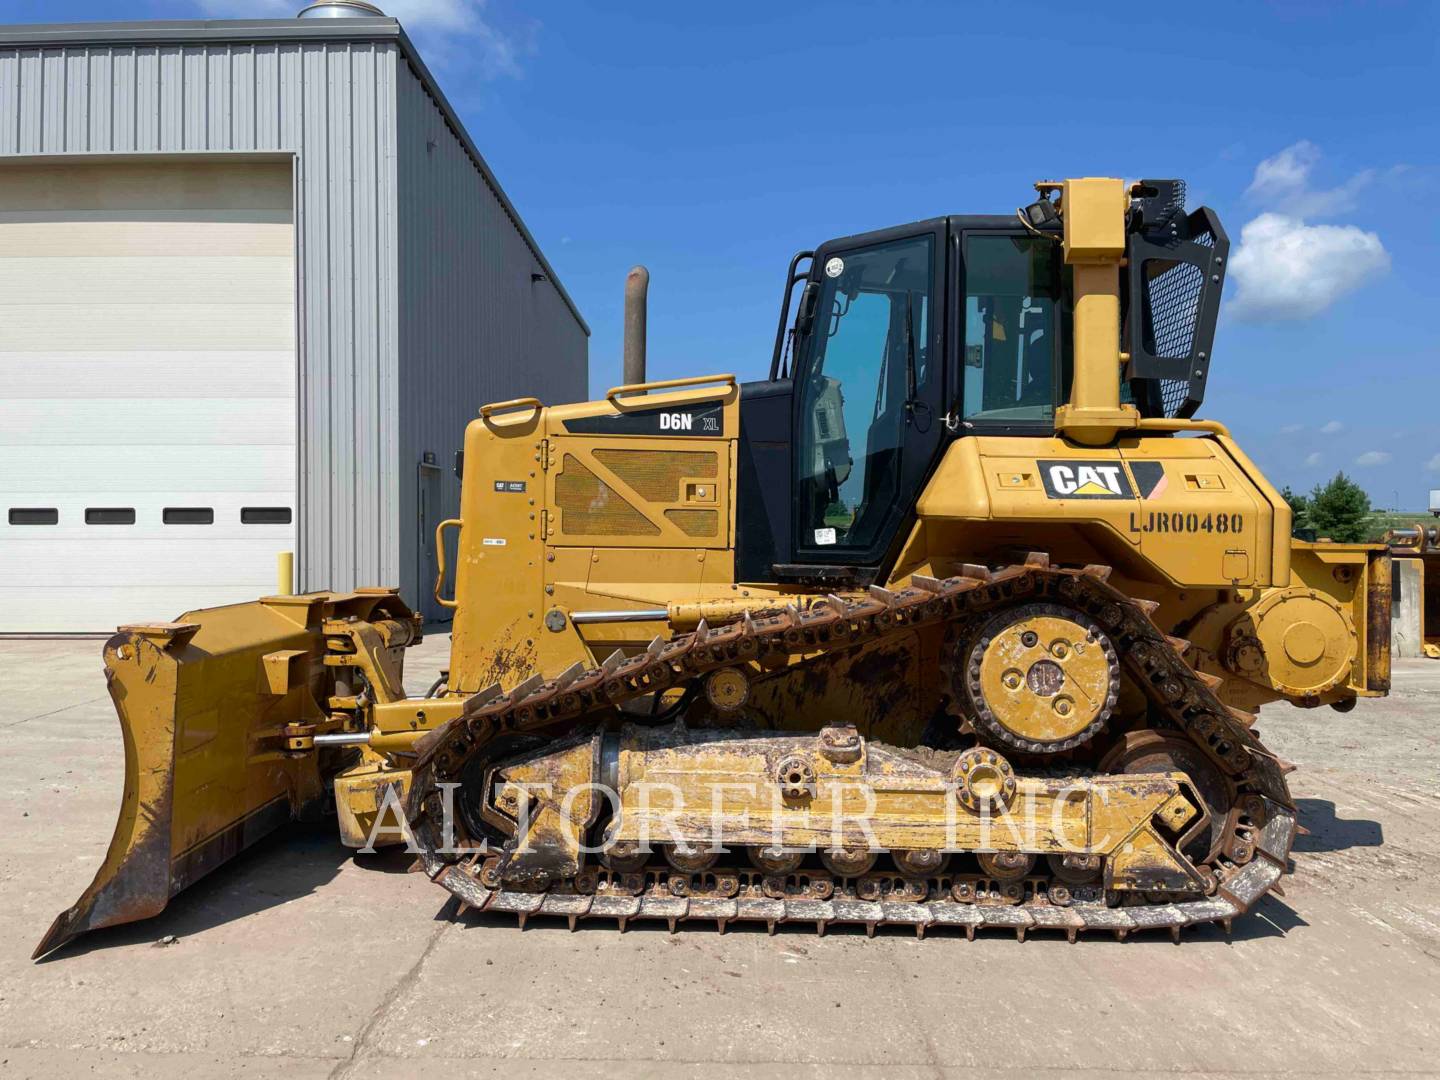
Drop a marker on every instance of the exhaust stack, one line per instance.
(637, 286)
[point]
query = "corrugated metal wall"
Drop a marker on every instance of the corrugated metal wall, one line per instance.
(332, 104)
(475, 325)
(417, 303)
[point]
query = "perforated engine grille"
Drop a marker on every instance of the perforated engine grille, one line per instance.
(590, 507)
(695, 522)
(656, 474)
(1173, 393)
(1172, 300)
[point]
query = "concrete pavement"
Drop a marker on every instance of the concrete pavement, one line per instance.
(298, 960)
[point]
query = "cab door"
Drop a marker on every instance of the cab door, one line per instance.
(868, 395)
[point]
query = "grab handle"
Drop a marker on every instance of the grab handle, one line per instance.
(614, 394)
(448, 523)
(487, 411)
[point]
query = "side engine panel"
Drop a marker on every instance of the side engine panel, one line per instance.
(1181, 511)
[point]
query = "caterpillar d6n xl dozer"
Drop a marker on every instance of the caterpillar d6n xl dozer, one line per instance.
(958, 619)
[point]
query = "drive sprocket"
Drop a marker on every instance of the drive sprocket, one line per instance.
(1040, 678)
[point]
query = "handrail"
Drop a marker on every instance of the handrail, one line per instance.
(616, 392)
(440, 559)
(793, 278)
(486, 411)
(1181, 423)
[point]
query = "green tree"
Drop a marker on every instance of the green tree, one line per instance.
(1299, 511)
(1340, 510)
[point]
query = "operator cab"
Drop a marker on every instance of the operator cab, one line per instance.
(908, 337)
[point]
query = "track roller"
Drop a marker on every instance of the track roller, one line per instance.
(848, 862)
(774, 860)
(1006, 865)
(690, 860)
(926, 863)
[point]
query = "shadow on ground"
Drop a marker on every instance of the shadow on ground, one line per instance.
(1330, 832)
(293, 862)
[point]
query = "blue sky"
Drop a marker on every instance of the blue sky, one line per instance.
(712, 141)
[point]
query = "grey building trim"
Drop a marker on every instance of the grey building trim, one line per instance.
(198, 32)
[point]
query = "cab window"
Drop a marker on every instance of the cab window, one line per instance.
(1014, 287)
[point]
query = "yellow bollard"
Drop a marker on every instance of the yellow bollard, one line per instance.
(285, 573)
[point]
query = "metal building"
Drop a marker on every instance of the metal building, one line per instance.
(255, 278)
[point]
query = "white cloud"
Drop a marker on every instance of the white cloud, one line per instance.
(1292, 429)
(451, 29)
(1286, 269)
(1433, 464)
(1287, 170)
(1313, 459)
(1283, 182)
(1373, 457)
(1333, 427)
(462, 15)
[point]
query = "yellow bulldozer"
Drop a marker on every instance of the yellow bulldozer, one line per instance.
(959, 619)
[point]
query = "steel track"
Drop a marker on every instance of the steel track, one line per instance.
(1153, 660)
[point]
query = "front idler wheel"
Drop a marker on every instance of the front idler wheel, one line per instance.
(624, 857)
(1154, 751)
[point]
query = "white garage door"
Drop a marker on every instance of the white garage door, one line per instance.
(147, 389)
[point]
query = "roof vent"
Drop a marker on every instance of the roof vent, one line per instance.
(340, 9)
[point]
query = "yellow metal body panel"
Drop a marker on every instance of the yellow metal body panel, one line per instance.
(1185, 521)
(499, 553)
(601, 490)
(367, 796)
(1132, 506)
(705, 790)
(728, 795)
(1093, 214)
(557, 796)
(614, 504)
(1311, 640)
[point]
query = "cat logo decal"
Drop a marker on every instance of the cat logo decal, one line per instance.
(1085, 480)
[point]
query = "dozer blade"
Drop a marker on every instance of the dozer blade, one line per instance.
(207, 705)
